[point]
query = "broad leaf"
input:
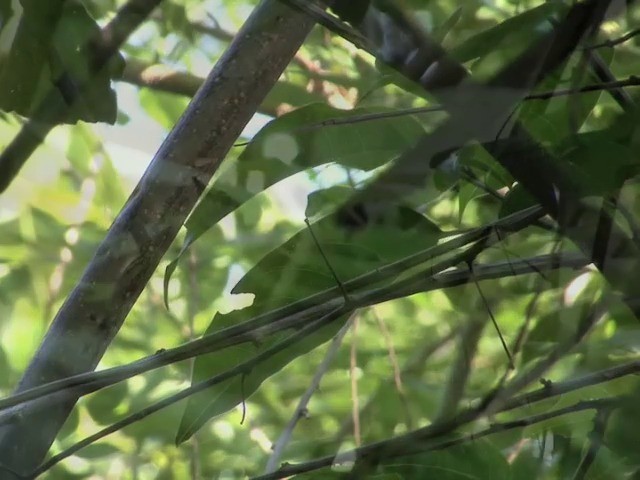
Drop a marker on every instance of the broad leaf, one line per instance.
(295, 142)
(293, 271)
(524, 26)
(555, 119)
(603, 164)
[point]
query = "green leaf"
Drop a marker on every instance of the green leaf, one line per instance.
(110, 193)
(164, 108)
(622, 431)
(390, 76)
(175, 19)
(49, 232)
(6, 13)
(98, 451)
(51, 60)
(603, 165)
(322, 202)
(526, 26)
(24, 72)
(474, 460)
(298, 141)
(552, 329)
(102, 405)
(517, 199)
(293, 143)
(301, 268)
(553, 120)
(440, 32)
(468, 191)
(526, 465)
(82, 146)
(291, 272)
(287, 92)
(484, 166)
(73, 55)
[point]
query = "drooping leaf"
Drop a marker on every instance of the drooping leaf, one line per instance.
(298, 141)
(293, 271)
(295, 142)
(27, 33)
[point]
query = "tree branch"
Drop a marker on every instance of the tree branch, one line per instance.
(240, 369)
(294, 316)
(411, 444)
(150, 220)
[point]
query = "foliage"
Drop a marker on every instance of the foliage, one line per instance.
(48, 57)
(430, 295)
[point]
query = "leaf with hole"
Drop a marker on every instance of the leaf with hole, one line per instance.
(295, 142)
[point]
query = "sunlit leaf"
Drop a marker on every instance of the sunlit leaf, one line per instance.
(164, 108)
(293, 143)
(102, 406)
(294, 271)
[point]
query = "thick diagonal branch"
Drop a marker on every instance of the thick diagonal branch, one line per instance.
(150, 220)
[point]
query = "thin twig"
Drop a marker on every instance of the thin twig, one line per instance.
(492, 317)
(240, 369)
(631, 81)
(417, 363)
(555, 389)
(467, 346)
(616, 41)
(301, 408)
(412, 443)
(355, 404)
(339, 283)
(266, 324)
